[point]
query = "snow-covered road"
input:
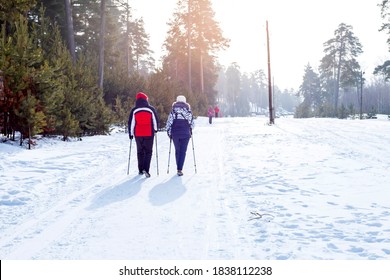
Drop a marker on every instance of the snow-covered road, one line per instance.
(301, 189)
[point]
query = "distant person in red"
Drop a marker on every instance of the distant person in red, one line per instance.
(143, 124)
(210, 114)
(216, 110)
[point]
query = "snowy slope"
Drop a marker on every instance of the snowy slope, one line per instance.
(301, 189)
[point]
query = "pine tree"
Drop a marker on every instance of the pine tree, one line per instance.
(86, 24)
(384, 69)
(21, 59)
(233, 76)
(339, 63)
(120, 113)
(193, 39)
(259, 88)
(310, 90)
(44, 91)
(10, 11)
(60, 13)
(163, 93)
(140, 47)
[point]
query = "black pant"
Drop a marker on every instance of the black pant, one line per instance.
(144, 152)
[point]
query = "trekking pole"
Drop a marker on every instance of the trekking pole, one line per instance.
(128, 165)
(193, 151)
(158, 173)
(169, 156)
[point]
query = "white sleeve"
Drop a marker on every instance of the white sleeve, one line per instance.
(169, 123)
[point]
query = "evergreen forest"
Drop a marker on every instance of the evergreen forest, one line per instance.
(73, 67)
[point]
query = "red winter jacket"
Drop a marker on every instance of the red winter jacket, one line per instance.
(143, 120)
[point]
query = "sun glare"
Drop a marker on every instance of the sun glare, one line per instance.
(298, 30)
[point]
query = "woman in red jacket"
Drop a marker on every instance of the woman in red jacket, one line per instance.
(143, 124)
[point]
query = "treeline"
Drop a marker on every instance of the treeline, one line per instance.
(338, 88)
(243, 94)
(73, 68)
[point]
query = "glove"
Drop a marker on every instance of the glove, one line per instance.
(131, 137)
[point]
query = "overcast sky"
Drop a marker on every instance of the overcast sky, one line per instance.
(297, 29)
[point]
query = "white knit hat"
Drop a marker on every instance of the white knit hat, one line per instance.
(181, 98)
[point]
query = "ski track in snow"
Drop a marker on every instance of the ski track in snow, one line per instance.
(301, 189)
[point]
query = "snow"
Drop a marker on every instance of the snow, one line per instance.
(302, 189)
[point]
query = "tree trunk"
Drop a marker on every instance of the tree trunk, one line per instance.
(337, 89)
(101, 43)
(127, 40)
(201, 74)
(69, 24)
(189, 48)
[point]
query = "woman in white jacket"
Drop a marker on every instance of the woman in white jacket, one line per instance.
(179, 128)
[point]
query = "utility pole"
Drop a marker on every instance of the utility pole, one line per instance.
(270, 103)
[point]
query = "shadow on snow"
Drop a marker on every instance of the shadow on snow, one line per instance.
(167, 191)
(117, 193)
(160, 194)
